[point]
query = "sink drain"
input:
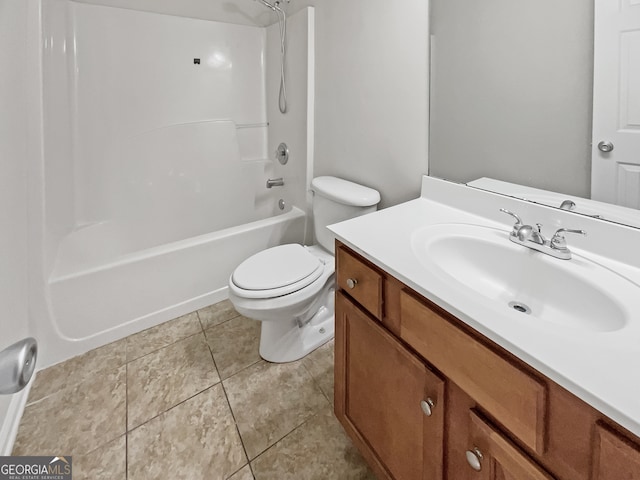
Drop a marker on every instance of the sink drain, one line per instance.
(520, 307)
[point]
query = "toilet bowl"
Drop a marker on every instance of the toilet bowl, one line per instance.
(290, 288)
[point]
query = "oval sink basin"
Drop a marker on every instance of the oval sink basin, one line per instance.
(481, 261)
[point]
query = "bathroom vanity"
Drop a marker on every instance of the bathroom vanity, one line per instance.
(431, 383)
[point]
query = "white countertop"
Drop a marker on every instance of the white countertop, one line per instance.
(601, 368)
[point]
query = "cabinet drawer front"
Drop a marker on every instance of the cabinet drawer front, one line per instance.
(502, 459)
(616, 458)
(360, 281)
(513, 397)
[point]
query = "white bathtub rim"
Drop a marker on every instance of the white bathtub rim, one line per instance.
(178, 245)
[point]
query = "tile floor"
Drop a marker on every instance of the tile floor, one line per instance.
(191, 399)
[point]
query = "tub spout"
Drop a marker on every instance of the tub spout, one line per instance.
(275, 182)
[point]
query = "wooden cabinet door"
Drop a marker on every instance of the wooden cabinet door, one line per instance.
(616, 458)
(499, 458)
(379, 389)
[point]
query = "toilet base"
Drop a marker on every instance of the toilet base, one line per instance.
(286, 341)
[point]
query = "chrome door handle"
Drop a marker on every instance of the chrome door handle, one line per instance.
(605, 146)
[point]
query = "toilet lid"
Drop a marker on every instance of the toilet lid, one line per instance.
(277, 267)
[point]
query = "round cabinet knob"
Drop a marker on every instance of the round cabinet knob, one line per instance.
(427, 406)
(605, 147)
(474, 457)
(352, 282)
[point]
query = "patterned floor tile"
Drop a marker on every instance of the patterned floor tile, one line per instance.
(77, 369)
(234, 344)
(162, 335)
(77, 420)
(243, 474)
(166, 377)
(197, 440)
(319, 363)
(318, 450)
(270, 400)
(217, 314)
(108, 462)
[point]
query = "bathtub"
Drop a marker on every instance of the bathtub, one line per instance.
(148, 195)
(92, 304)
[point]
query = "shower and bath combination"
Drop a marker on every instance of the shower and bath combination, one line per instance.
(282, 24)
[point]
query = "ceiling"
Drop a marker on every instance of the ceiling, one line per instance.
(243, 12)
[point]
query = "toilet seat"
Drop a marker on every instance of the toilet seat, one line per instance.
(276, 272)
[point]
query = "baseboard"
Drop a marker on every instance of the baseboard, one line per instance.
(11, 422)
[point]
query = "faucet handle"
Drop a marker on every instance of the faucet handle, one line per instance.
(558, 241)
(518, 223)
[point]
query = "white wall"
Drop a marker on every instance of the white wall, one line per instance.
(13, 187)
(372, 94)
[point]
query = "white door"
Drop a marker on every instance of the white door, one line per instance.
(615, 175)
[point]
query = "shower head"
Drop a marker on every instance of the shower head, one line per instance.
(275, 6)
(282, 25)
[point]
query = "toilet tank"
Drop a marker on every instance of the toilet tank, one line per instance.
(335, 200)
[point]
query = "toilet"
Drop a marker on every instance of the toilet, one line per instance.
(290, 288)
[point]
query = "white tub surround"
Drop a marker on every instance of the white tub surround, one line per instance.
(150, 186)
(597, 366)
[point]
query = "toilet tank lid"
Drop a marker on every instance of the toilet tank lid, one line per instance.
(345, 192)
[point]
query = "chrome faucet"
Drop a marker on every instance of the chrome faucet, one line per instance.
(531, 237)
(530, 234)
(568, 205)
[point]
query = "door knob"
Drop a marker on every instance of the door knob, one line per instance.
(605, 147)
(352, 282)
